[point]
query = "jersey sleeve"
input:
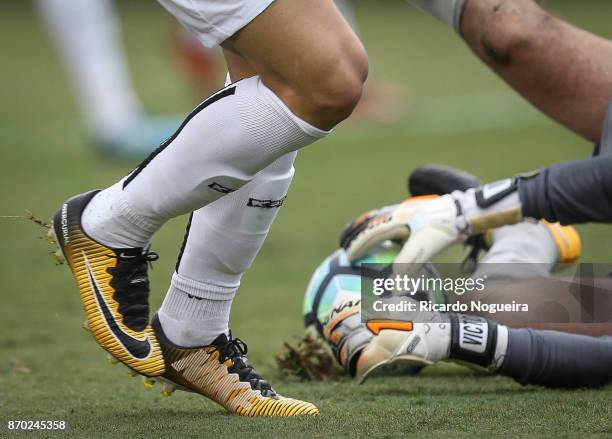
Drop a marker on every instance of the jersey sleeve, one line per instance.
(571, 193)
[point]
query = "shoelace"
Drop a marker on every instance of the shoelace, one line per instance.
(235, 349)
(131, 285)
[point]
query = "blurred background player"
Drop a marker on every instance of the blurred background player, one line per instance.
(87, 35)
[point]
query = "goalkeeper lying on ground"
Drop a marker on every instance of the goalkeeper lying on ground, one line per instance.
(530, 356)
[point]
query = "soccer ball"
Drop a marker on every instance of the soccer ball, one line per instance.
(335, 281)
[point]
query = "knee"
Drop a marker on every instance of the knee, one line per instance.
(508, 30)
(339, 92)
(335, 86)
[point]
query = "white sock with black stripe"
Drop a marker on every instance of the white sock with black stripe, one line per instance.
(221, 146)
(221, 242)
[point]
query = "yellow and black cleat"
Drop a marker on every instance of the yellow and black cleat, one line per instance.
(114, 290)
(221, 372)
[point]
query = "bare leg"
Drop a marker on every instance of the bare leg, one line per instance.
(238, 67)
(564, 71)
(320, 78)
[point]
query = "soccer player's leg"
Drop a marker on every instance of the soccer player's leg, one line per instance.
(87, 34)
(301, 91)
(323, 81)
(221, 242)
(559, 68)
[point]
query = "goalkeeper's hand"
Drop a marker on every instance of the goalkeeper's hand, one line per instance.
(362, 348)
(427, 225)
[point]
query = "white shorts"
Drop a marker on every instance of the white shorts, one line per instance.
(214, 21)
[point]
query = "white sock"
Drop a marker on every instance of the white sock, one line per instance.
(448, 11)
(221, 243)
(87, 35)
(109, 219)
(221, 146)
(195, 313)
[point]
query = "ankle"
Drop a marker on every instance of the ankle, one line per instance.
(194, 313)
(109, 219)
(192, 333)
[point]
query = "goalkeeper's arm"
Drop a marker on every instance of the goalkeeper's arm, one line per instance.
(529, 356)
(571, 193)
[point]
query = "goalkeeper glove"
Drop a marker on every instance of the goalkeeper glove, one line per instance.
(429, 225)
(361, 348)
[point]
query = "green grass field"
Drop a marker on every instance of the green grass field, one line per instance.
(455, 112)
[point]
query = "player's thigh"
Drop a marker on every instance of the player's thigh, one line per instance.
(302, 49)
(285, 40)
(306, 52)
(291, 36)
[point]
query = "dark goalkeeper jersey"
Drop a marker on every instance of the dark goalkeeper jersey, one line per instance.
(571, 193)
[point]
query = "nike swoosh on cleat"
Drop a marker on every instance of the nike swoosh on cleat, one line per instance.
(139, 349)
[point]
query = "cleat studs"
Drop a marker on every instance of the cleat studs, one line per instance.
(59, 257)
(148, 382)
(51, 237)
(85, 326)
(132, 374)
(111, 359)
(168, 389)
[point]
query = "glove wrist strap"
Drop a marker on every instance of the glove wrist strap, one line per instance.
(490, 206)
(473, 339)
